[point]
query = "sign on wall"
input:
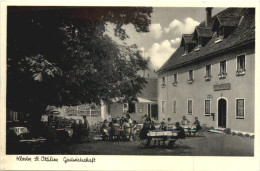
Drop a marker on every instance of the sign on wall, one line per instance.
(218, 87)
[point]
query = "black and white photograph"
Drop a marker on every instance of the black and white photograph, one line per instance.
(130, 81)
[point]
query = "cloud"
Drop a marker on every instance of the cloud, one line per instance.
(179, 27)
(167, 30)
(156, 30)
(175, 41)
(159, 53)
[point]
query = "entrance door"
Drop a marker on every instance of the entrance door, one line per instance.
(222, 112)
(154, 111)
(149, 110)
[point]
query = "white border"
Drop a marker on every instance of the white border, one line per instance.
(185, 163)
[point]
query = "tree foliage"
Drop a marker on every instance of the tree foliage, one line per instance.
(62, 56)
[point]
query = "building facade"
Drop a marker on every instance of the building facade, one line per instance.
(147, 101)
(212, 74)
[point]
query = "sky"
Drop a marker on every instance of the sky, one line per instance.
(167, 26)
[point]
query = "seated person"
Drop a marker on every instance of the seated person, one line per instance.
(197, 124)
(181, 133)
(152, 126)
(134, 128)
(104, 129)
(126, 126)
(129, 120)
(163, 126)
(111, 130)
(145, 129)
(185, 121)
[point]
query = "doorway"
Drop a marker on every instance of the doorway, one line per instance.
(222, 113)
(154, 110)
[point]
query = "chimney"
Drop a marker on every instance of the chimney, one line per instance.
(208, 15)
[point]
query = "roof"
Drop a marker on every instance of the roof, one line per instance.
(244, 33)
(203, 31)
(187, 38)
(229, 20)
(142, 100)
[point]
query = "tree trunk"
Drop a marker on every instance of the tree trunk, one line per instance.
(35, 115)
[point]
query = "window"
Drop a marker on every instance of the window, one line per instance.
(241, 67)
(174, 106)
(140, 110)
(207, 107)
(163, 81)
(220, 34)
(190, 107)
(190, 80)
(186, 49)
(208, 73)
(125, 107)
(198, 43)
(175, 79)
(240, 109)
(223, 72)
(163, 106)
(108, 108)
(131, 107)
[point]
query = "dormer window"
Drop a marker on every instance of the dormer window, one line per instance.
(186, 48)
(220, 34)
(198, 44)
(187, 43)
(224, 25)
(201, 36)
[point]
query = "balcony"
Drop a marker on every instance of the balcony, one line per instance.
(222, 75)
(240, 72)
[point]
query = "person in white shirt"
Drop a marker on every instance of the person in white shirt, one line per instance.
(185, 121)
(129, 120)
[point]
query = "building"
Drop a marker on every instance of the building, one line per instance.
(212, 74)
(147, 101)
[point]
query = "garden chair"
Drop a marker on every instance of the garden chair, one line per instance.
(142, 143)
(180, 143)
(201, 132)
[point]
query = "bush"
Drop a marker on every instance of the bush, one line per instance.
(240, 134)
(227, 131)
(234, 133)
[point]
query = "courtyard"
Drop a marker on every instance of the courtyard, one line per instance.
(213, 144)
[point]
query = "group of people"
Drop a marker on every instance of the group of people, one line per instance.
(123, 128)
(81, 131)
(148, 125)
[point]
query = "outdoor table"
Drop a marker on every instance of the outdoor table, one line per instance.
(190, 128)
(163, 135)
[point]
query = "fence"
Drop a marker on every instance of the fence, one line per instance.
(83, 112)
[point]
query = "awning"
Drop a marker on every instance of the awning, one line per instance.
(142, 100)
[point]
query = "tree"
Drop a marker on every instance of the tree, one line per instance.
(62, 56)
